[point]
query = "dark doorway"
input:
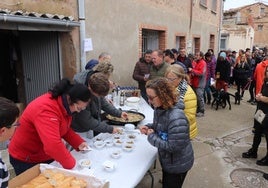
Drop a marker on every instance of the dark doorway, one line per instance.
(9, 59)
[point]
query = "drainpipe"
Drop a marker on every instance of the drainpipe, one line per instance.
(81, 9)
(220, 26)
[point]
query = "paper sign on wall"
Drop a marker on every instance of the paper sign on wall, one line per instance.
(88, 45)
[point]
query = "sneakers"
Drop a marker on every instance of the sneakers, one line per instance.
(200, 114)
(263, 161)
(250, 154)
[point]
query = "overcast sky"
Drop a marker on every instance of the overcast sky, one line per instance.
(239, 3)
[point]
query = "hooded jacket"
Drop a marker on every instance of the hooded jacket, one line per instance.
(43, 124)
(171, 137)
(259, 75)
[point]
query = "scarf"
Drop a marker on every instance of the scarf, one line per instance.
(182, 88)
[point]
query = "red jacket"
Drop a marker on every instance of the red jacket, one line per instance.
(259, 75)
(43, 125)
(199, 74)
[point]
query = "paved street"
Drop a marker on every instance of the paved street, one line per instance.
(223, 136)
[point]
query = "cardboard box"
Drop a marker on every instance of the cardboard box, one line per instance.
(33, 172)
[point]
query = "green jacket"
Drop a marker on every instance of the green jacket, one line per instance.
(160, 71)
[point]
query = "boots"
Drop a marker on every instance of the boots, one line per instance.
(250, 154)
(263, 161)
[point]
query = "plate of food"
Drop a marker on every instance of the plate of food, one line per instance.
(84, 163)
(99, 144)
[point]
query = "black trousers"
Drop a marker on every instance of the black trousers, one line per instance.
(173, 180)
(259, 130)
(20, 166)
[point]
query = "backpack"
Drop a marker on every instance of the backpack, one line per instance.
(83, 76)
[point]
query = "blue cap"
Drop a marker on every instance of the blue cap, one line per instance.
(223, 54)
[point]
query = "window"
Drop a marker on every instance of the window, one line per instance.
(260, 27)
(212, 41)
(150, 40)
(223, 43)
(262, 11)
(180, 42)
(214, 5)
(196, 45)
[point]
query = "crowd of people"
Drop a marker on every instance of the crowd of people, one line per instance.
(176, 84)
(246, 70)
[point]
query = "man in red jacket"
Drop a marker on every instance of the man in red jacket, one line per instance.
(198, 75)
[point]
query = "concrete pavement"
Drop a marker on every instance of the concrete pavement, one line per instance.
(223, 136)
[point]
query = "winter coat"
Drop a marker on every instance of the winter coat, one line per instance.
(156, 72)
(171, 137)
(199, 74)
(259, 75)
(190, 102)
(242, 72)
(90, 119)
(43, 125)
(224, 69)
(141, 68)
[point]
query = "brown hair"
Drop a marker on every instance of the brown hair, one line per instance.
(104, 67)
(99, 84)
(164, 90)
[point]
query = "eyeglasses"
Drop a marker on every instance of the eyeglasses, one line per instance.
(151, 98)
(171, 79)
(13, 125)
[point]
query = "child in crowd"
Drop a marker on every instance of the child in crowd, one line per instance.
(9, 113)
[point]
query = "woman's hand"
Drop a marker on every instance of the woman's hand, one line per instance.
(124, 115)
(83, 146)
(143, 129)
(117, 130)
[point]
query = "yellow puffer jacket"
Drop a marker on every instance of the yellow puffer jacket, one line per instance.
(190, 103)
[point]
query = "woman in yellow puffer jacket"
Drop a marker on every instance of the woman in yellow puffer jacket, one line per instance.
(176, 75)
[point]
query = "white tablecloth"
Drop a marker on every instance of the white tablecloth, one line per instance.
(131, 166)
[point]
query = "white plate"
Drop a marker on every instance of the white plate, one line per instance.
(116, 154)
(109, 142)
(84, 163)
(99, 144)
(128, 147)
(109, 166)
(133, 99)
(118, 142)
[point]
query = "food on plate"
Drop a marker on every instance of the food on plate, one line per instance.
(109, 165)
(130, 142)
(131, 136)
(84, 163)
(128, 147)
(53, 179)
(132, 117)
(116, 154)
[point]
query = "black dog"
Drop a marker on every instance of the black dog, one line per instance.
(220, 98)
